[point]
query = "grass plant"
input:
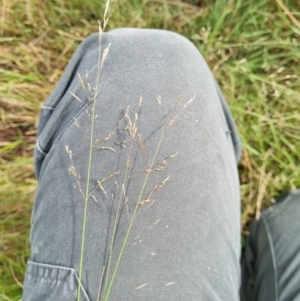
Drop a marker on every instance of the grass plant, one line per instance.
(137, 143)
(252, 48)
(92, 141)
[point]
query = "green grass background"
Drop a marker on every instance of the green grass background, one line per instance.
(251, 46)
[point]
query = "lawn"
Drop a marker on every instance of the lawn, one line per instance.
(251, 46)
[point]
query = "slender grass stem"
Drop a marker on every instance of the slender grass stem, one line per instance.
(86, 201)
(132, 220)
(100, 286)
(100, 65)
(115, 224)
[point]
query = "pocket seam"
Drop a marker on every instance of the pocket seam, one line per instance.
(57, 267)
(39, 147)
(47, 108)
(84, 107)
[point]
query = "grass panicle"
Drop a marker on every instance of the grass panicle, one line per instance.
(101, 61)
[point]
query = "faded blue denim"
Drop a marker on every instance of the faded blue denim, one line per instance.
(196, 240)
(185, 240)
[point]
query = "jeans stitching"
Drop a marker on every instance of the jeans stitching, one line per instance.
(51, 266)
(80, 285)
(47, 108)
(63, 131)
(70, 123)
(272, 253)
(39, 147)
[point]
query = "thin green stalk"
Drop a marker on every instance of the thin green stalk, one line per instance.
(118, 208)
(132, 220)
(86, 200)
(87, 195)
(114, 229)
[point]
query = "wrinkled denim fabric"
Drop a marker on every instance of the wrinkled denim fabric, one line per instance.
(271, 261)
(185, 239)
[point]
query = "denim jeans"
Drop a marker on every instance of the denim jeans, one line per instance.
(164, 165)
(271, 261)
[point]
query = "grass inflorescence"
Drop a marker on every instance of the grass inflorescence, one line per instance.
(252, 48)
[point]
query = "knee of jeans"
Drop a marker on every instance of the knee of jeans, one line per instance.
(162, 43)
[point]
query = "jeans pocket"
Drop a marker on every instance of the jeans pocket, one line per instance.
(44, 282)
